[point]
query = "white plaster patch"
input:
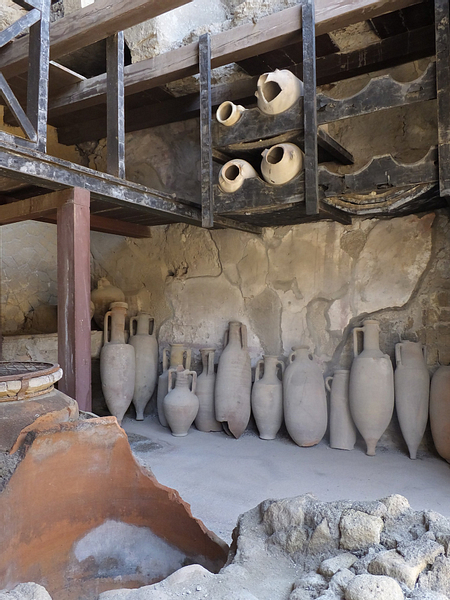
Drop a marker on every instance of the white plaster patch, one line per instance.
(122, 549)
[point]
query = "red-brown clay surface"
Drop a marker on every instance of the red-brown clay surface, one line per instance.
(71, 479)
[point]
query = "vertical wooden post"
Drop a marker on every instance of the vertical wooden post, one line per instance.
(204, 49)
(310, 108)
(115, 101)
(442, 24)
(74, 293)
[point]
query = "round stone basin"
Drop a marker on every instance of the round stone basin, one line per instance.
(25, 380)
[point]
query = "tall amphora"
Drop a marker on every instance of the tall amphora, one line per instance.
(117, 363)
(371, 388)
(305, 403)
(234, 381)
(177, 355)
(342, 428)
(440, 411)
(412, 392)
(143, 340)
(206, 416)
(267, 397)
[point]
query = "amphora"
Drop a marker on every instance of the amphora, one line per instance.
(371, 388)
(174, 356)
(117, 363)
(102, 297)
(234, 381)
(228, 113)
(304, 398)
(342, 428)
(206, 416)
(281, 163)
(267, 397)
(440, 411)
(181, 404)
(412, 392)
(233, 174)
(278, 91)
(143, 340)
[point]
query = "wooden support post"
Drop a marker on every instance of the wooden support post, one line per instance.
(310, 108)
(74, 292)
(442, 24)
(204, 50)
(115, 100)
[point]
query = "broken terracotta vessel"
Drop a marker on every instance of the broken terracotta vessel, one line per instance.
(440, 411)
(146, 351)
(228, 113)
(278, 91)
(102, 297)
(176, 355)
(181, 404)
(267, 397)
(281, 163)
(117, 363)
(371, 387)
(233, 174)
(412, 392)
(234, 381)
(342, 428)
(206, 416)
(305, 403)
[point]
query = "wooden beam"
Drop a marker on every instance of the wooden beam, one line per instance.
(86, 26)
(74, 294)
(32, 208)
(115, 105)
(205, 132)
(108, 225)
(268, 33)
(443, 92)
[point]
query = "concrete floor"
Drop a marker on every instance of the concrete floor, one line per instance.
(221, 477)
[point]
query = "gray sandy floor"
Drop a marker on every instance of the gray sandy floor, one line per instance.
(221, 477)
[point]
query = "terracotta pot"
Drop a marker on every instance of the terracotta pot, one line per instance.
(102, 297)
(228, 113)
(371, 388)
(178, 354)
(233, 174)
(181, 404)
(117, 363)
(267, 397)
(278, 91)
(412, 392)
(440, 411)
(206, 416)
(234, 381)
(305, 403)
(281, 163)
(342, 428)
(146, 349)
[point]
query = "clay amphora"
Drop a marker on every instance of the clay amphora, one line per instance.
(440, 411)
(234, 381)
(206, 416)
(281, 163)
(267, 397)
(233, 174)
(179, 355)
(181, 404)
(229, 113)
(412, 392)
(304, 399)
(371, 388)
(102, 297)
(146, 349)
(342, 428)
(117, 363)
(278, 91)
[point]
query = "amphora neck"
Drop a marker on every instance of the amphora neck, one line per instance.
(176, 355)
(371, 335)
(118, 314)
(207, 360)
(143, 324)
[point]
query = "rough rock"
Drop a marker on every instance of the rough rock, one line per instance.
(396, 505)
(438, 578)
(340, 580)
(359, 530)
(26, 591)
(332, 565)
(369, 587)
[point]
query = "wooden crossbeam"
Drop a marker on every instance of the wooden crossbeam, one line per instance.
(32, 208)
(268, 33)
(108, 225)
(86, 26)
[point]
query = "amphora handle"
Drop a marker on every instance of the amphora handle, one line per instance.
(292, 355)
(152, 322)
(244, 336)
(258, 369)
(282, 365)
(105, 327)
(355, 340)
(170, 379)
(194, 380)
(166, 358)
(133, 320)
(327, 382)
(210, 362)
(398, 353)
(187, 364)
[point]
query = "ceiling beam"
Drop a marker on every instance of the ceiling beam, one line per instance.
(268, 33)
(84, 27)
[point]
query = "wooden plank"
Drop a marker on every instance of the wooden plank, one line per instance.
(266, 34)
(74, 294)
(32, 208)
(86, 26)
(107, 225)
(206, 179)
(115, 138)
(29, 19)
(238, 225)
(443, 92)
